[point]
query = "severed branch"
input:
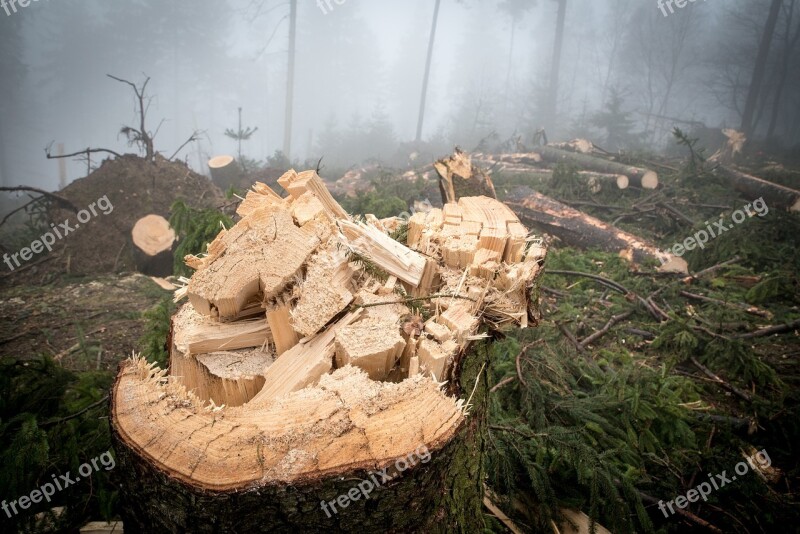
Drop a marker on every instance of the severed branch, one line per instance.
(603, 331)
(84, 152)
(730, 387)
(61, 200)
(733, 305)
(777, 329)
(192, 138)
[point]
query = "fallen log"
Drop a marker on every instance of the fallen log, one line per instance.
(638, 176)
(753, 188)
(153, 241)
(298, 372)
(577, 229)
(595, 180)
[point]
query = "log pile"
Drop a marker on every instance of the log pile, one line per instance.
(597, 171)
(314, 349)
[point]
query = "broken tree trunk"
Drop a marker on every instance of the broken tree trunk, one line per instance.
(458, 177)
(225, 171)
(638, 177)
(298, 372)
(753, 188)
(580, 230)
(153, 240)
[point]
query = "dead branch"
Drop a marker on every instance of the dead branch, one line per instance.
(730, 387)
(603, 331)
(778, 329)
(141, 135)
(734, 305)
(192, 138)
(84, 152)
(61, 200)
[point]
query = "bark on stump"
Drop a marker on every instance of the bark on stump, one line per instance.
(299, 320)
(225, 171)
(153, 241)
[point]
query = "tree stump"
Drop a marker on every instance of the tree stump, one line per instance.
(153, 241)
(324, 377)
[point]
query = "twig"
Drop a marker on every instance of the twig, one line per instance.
(735, 305)
(24, 206)
(641, 333)
(777, 329)
(77, 414)
(677, 213)
(61, 200)
(86, 151)
(571, 337)
(502, 383)
(522, 351)
(713, 268)
(688, 515)
(605, 281)
(590, 204)
(603, 331)
(730, 387)
(192, 138)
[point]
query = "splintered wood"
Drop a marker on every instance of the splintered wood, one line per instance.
(298, 299)
(286, 274)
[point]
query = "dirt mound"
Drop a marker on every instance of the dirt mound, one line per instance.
(120, 192)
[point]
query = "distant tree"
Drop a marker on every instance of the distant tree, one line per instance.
(12, 75)
(555, 66)
(760, 69)
(239, 135)
(515, 10)
(616, 122)
(426, 78)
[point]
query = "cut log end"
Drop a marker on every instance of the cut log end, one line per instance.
(153, 240)
(650, 180)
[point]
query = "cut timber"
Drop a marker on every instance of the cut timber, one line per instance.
(324, 293)
(753, 188)
(225, 171)
(371, 345)
(639, 177)
(219, 362)
(302, 365)
(231, 275)
(458, 177)
(577, 229)
(503, 163)
(283, 334)
(152, 245)
(332, 377)
(309, 181)
(391, 256)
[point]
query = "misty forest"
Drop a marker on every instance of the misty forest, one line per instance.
(432, 266)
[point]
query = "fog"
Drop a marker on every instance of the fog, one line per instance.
(629, 73)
